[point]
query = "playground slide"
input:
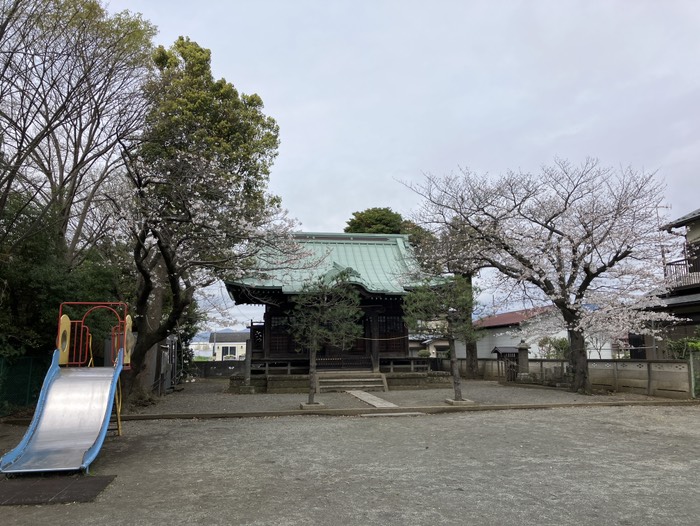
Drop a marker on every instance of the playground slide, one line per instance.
(70, 422)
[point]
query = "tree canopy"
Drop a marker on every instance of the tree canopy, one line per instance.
(385, 221)
(71, 78)
(375, 221)
(109, 147)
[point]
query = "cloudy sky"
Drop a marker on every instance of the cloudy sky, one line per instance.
(371, 92)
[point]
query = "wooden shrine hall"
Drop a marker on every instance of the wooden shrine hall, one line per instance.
(381, 266)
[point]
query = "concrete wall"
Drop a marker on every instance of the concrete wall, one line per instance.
(225, 368)
(665, 378)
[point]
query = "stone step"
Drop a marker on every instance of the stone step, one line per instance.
(341, 388)
(348, 374)
(348, 380)
(339, 381)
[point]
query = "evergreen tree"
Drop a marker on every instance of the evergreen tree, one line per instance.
(443, 309)
(325, 314)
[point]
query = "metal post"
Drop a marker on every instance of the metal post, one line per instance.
(542, 370)
(691, 372)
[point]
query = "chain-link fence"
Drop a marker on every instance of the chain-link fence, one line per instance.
(20, 381)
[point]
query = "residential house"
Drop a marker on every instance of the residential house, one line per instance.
(434, 345)
(508, 329)
(229, 345)
(683, 299)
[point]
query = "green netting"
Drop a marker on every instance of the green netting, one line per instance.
(20, 381)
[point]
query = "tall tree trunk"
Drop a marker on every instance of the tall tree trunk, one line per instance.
(142, 369)
(472, 360)
(579, 362)
(454, 366)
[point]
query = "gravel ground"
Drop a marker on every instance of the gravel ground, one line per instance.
(210, 396)
(585, 466)
(628, 465)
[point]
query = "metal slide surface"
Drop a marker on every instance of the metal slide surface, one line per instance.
(70, 422)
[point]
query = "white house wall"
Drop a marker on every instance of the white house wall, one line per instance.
(207, 350)
(236, 351)
(511, 337)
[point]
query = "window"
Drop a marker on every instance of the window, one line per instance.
(279, 324)
(391, 325)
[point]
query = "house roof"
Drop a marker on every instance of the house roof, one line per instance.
(229, 337)
(503, 349)
(508, 319)
(683, 220)
(379, 263)
(687, 299)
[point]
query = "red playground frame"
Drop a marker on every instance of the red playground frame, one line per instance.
(74, 340)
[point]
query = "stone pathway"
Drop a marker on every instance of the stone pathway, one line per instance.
(372, 400)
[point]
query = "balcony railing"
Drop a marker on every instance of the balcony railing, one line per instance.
(683, 273)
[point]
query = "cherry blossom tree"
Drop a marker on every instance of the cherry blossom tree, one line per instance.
(200, 210)
(572, 235)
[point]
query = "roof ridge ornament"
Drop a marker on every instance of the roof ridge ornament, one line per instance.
(338, 269)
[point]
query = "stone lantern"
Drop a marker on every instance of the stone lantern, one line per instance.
(523, 361)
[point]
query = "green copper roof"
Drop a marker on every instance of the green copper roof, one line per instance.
(380, 263)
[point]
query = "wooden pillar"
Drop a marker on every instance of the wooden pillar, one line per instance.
(266, 334)
(374, 330)
(248, 357)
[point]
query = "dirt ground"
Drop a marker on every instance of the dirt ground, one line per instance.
(627, 465)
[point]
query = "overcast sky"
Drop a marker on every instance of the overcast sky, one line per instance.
(370, 92)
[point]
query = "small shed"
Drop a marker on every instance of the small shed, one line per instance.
(507, 357)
